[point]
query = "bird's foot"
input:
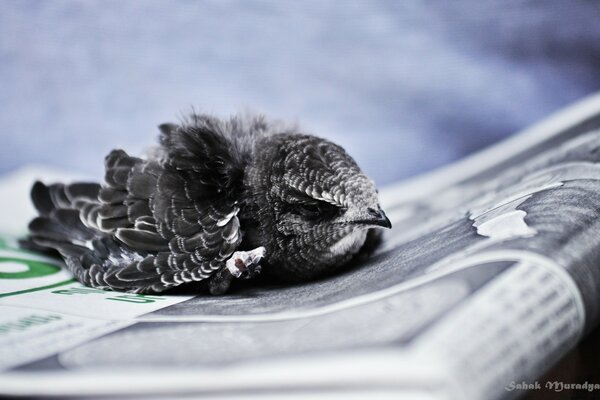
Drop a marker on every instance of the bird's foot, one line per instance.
(220, 282)
(245, 264)
(241, 265)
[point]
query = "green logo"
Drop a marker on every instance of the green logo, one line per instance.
(18, 268)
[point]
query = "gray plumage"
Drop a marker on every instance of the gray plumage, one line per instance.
(212, 191)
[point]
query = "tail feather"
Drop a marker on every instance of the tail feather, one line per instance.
(118, 166)
(46, 227)
(58, 196)
(40, 196)
(80, 220)
(65, 249)
(82, 191)
(62, 226)
(59, 225)
(71, 222)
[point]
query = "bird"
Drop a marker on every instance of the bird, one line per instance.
(217, 199)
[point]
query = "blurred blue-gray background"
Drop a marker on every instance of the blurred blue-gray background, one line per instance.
(405, 86)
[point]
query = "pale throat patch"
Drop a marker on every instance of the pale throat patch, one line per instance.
(351, 243)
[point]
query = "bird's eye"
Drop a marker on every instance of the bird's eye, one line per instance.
(309, 210)
(316, 210)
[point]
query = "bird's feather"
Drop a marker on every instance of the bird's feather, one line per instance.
(178, 215)
(155, 223)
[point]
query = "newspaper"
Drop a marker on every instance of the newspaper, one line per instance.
(487, 278)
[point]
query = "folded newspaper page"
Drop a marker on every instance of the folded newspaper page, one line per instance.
(488, 277)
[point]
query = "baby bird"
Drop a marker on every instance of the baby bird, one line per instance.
(216, 200)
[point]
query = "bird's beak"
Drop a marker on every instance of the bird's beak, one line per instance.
(375, 217)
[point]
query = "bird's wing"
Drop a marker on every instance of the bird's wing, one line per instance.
(152, 226)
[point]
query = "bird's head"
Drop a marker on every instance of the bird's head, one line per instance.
(312, 204)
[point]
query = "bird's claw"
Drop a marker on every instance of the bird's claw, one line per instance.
(245, 264)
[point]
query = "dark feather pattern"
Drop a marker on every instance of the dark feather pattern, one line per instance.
(154, 224)
(179, 215)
